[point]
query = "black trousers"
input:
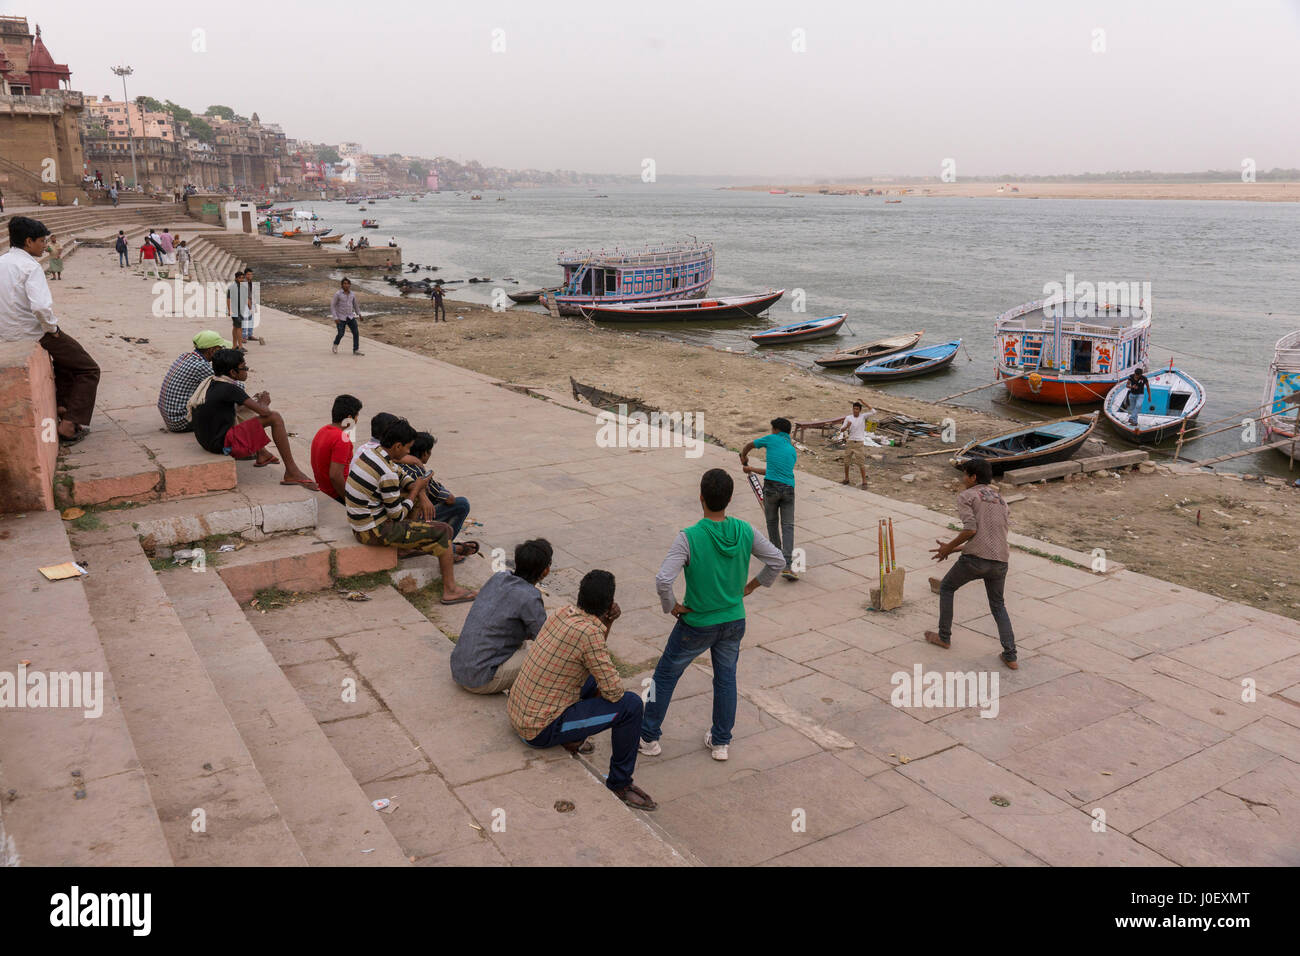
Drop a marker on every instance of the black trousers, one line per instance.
(343, 327)
(76, 376)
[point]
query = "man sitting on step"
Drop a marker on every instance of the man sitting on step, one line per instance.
(569, 689)
(185, 375)
(502, 623)
(380, 497)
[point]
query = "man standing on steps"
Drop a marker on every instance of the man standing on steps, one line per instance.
(714, 552)
(343, 307)
(27, 312)
(984, 554)
(778, 487)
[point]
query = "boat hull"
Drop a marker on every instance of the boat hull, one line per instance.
(1058, 451)
(753, 308)
(1153, 428)
(870, 373)
(1057, 391)
(823, 330)
(853, 361)
(574, 304)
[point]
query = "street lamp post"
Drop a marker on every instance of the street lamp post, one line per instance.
(124, 72)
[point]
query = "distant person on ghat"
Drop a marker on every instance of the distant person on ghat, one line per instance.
(27, 313)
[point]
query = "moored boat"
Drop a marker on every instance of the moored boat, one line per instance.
(651, 274)
(1279, 416)
(702, 310)
(909, 364)
(527, 297)
(1064, 352)
(1173, 398)
(1034, 445)
(801, 331)
(855, 356)
(308, 234)
(326, 239)
(369, 223)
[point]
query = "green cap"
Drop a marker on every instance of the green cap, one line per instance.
(207, 339)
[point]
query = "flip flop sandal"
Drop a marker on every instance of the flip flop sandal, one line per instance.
(583, 746)
(74, 439)
(467, 599)
(270, 461)
(305, 482)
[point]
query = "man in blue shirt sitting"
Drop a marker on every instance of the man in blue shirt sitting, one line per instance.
(778, 487)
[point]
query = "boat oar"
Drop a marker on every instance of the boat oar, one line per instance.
(978, 387)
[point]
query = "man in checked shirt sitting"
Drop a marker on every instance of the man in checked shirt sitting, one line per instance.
(184, 377)
(568, 688)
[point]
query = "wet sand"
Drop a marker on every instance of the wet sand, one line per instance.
(1243, 548)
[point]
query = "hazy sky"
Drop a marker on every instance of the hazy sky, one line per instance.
(711, 87)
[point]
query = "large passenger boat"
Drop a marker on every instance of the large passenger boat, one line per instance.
(653, 274)
(1066, 353)
(1283, 381)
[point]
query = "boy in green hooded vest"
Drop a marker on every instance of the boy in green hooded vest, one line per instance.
(714, 553)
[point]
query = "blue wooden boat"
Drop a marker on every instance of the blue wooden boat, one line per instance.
(909, 364)
(801, 331)
(1173, 398)
(1035, 445)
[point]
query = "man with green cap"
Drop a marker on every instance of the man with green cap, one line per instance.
(185, 375)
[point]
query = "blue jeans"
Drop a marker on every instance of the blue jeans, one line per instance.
(591, 715)
(1134, 405)
(685, 644)
(123, 260)
(344, 326)
(453, 515)
(778, 508)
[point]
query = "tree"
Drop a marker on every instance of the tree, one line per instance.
(202, 130)
(327, 154)
(180, 112)
(418, 170)
(151, 104)
(225, 112)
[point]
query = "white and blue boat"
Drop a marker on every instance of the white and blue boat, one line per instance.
(909, 364)
(801, 331)
(1172, 399)
(1035, 445)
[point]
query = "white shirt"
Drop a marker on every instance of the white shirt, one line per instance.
(857, 427)
(26, 306)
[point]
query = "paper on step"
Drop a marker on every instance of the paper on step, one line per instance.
(58, 572)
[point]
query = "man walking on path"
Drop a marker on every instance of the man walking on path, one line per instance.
(27, 312)
(436, 294)
(123, 250)
(112, 194)
(855, 446)
(569, 689)
(715, 553)
(343, 307)
(984, 554)
(778, 487)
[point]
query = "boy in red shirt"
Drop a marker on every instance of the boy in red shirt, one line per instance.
(331, 449)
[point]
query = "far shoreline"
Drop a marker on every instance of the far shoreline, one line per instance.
(1011, 189)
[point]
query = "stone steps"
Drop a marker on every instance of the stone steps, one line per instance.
(192, 753)
(322, 804)
(115, 823)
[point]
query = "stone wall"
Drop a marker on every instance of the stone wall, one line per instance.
(27, 416)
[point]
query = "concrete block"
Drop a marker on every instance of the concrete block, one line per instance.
(363, 559)
(115, 489)
(188, 481)
(1025, 476)
(416, 573)
(291, 564)
(287, 515)
(179, 529)
(1120, 459)
(26, 402)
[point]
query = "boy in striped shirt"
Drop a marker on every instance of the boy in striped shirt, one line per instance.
(380, 497)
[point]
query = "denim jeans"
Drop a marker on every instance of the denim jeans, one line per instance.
(685, 644)
(343, 327)
(123, 260)
(453, 515)
(591, 715)
(1133, 406)
(994, 573)
(778, 508)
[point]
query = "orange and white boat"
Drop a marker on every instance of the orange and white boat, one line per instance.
(1063, 352)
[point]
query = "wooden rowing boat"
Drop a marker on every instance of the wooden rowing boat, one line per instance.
(703, 310)
(855, 356)
(909, 364)
(1172, 398)
(526, 297)
(1035, 445)
(328, 239)
(801, 331)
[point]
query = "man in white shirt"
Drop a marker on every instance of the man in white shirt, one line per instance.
(27, 312)
(855, 449)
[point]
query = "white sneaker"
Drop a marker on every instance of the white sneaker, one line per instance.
(649, 748)
(719, 750)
